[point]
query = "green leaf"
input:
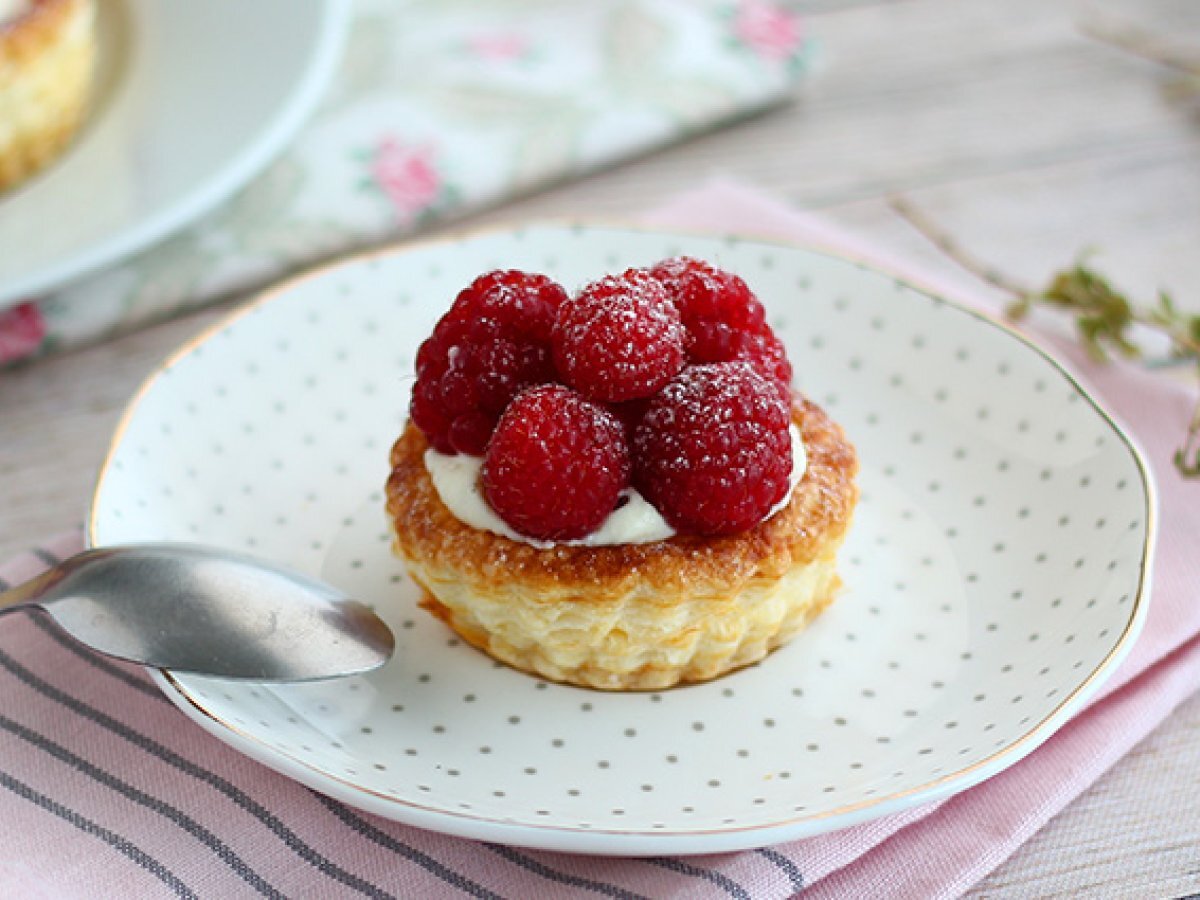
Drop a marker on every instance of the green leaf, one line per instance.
(1188, 469)
(1103, 316)
(1020, 308)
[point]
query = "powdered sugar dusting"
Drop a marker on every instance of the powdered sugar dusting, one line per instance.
(620, 338)
(711, 451)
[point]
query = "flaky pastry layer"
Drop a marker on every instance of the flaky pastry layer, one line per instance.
(635, 616)
(47, 57)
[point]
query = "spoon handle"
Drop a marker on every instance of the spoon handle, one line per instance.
(30, 592)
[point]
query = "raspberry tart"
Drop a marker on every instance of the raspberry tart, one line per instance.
(618, 489)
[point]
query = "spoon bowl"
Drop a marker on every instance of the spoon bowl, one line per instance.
(206, 611)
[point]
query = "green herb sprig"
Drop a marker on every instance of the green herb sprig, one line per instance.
(1183, 68)
(1105, 319)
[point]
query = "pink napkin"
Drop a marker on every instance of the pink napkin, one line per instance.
(108, 790)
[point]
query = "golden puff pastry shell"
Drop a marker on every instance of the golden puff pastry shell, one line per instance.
(631, 616)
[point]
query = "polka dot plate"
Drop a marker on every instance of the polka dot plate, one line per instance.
(995, 573)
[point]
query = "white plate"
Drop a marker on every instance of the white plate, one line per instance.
(186, 109)
(995, 572)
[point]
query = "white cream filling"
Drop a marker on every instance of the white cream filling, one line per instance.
(10, 10)
(457, 481)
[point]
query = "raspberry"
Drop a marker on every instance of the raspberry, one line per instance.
(766, 353)
(556, 464)
(712, 301)
(723, 318)
(493, 342)
(534, 296)
(619, 339)
(713, 451)
(629, 414)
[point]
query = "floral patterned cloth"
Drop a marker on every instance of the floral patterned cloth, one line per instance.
(441, 107)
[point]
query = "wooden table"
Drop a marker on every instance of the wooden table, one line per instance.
(1025, 139)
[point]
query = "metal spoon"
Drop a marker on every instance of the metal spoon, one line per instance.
(207, 611)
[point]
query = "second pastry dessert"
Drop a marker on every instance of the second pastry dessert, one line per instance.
(47, 58)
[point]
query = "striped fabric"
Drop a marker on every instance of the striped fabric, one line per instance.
(107, 790)
(113, 792)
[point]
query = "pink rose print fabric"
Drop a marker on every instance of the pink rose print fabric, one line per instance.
(498, 46)
(772, 33)
(408, 175)
(438, 110)
(22, 332)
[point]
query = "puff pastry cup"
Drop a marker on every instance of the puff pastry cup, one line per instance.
(634, 616)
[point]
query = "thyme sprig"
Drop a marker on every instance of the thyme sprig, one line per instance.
(1105, 319)
(1184, 67)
